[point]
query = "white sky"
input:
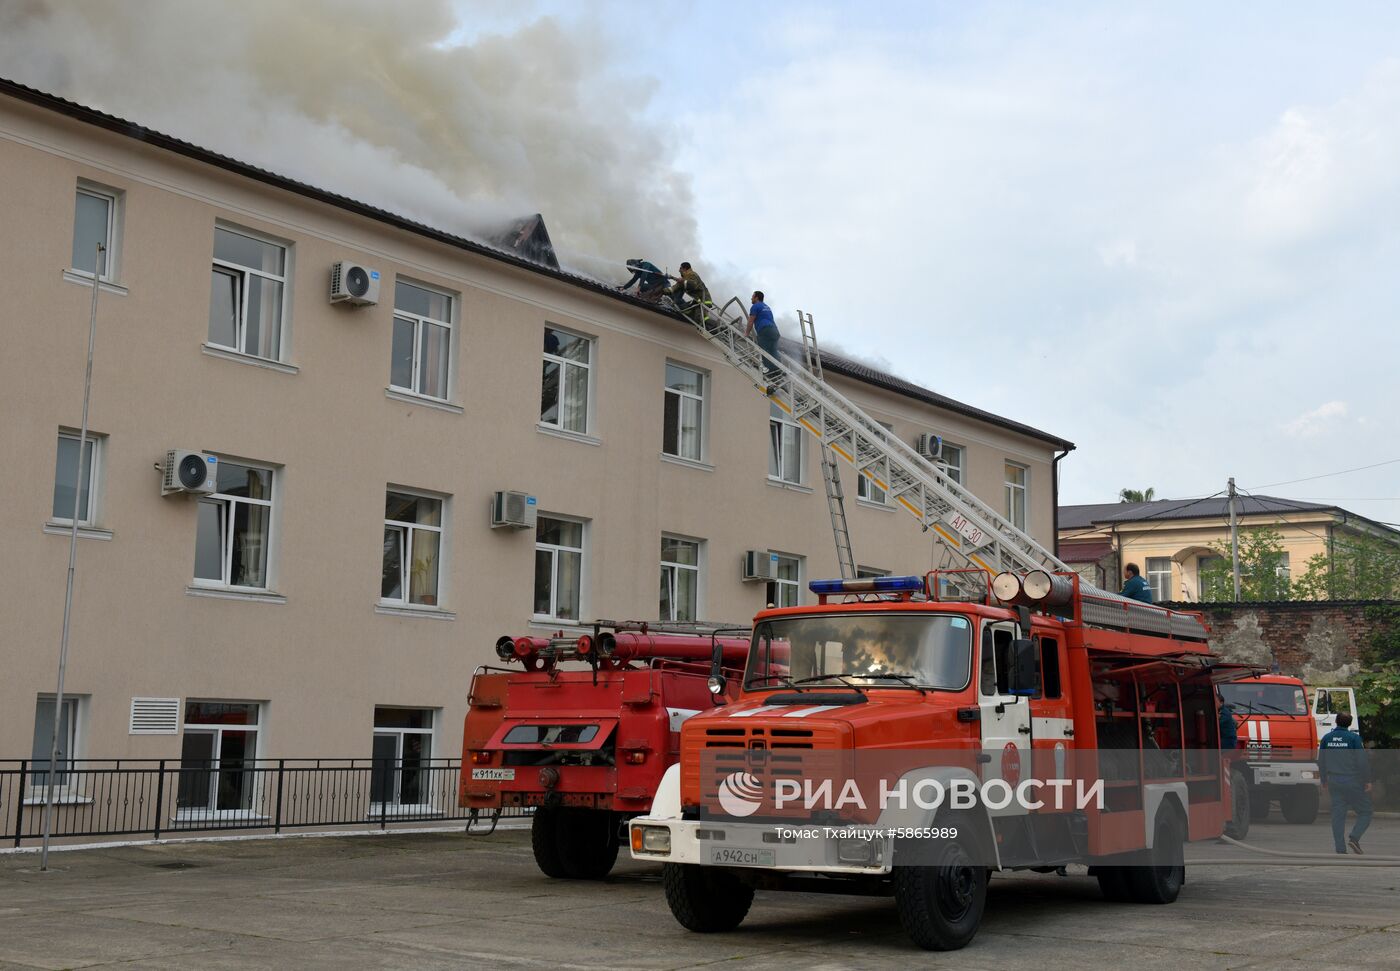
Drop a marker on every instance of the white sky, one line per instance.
(1167, 233)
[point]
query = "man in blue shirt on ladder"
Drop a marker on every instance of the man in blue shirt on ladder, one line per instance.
(1346, 773)
(763, 329)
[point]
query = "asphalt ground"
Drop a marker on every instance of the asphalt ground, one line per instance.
(445, 900)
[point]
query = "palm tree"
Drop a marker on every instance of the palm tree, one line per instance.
(1136, 495)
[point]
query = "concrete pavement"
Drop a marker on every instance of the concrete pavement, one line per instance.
(451, 901)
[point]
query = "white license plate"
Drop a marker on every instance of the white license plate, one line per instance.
(741, 856)
(501, 775)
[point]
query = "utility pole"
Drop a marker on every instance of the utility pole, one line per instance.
(1234, 541)
(97, 268)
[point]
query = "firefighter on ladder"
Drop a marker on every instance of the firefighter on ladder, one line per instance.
(700, 307)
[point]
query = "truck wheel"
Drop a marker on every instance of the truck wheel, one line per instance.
(1259, 804)
(586, 842)
(544, 840)
(1237, 826)
(941, 906)
(1299, 804)
(1113, 882)
(1161, 879)
(704, 899)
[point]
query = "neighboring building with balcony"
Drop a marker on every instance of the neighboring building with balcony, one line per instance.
(1175, 542)
(335, 591)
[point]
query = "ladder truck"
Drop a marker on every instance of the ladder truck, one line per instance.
(1001, 672)
(580, 728)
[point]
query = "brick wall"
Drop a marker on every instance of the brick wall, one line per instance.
(1320, 641)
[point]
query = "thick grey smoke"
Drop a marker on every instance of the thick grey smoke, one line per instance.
(370, 100)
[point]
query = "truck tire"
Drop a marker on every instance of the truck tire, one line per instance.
(1299, 804)
(1161, 878)
(544, 840)
(705, 899)
(1113, 882)
(586, 842)
(1237, 826)
(1259, 800)
(940, 906)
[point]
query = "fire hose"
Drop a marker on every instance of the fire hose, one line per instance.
(1297, 859)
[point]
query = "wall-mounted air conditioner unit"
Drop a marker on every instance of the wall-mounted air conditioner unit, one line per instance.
(354, 284)
(929, 446)
(514, 509)
(189, 472)
(760, 565)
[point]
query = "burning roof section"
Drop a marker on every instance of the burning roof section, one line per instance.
(529, 239)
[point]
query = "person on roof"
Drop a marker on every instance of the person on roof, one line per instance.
(647, 277)
(1134, 586)
(701, 307)
(764, 330)
(1345, 771)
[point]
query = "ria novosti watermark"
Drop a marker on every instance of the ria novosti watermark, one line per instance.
(741, 794)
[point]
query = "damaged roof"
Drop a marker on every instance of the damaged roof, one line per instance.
(525, 244)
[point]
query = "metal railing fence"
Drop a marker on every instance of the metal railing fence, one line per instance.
(133, 797)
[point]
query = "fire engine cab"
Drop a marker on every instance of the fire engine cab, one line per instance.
(1277, 737)
(951, 683)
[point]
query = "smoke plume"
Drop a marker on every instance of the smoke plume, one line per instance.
(375, 100)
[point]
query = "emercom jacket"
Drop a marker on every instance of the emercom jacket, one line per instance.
(1340, 757)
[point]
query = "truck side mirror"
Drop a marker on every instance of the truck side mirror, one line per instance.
(1025, 667)
(717, 682)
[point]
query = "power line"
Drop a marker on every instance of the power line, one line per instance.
(1328, 475)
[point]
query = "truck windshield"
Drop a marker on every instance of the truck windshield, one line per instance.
(871, 650)
(1254, 698)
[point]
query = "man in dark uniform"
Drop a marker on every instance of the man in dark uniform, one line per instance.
(650, 281)
(699, 308)
(1346, 773)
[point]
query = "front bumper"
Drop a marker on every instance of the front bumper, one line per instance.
(1286, 774)
(805, 848)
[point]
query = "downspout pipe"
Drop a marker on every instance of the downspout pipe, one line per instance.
(1055, 499)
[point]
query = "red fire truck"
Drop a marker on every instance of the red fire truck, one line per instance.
(582, 728)
(973, 689)
(1277, 738)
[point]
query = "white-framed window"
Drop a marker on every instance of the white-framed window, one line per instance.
(420, 360)
(784, 447)
(1159, 577)
(867, 489)
(96, 219)
(680, 579)
(218, 758)
(786, 589)
(870, 572)
(953, 457)
(40, 777)
(558, 568)
(413, 540)
(401, 776)
(247, 299)
(67, 477)
(684, 413)
(233, 538)
(1282, 569)
(565, 380)
(1015, 480)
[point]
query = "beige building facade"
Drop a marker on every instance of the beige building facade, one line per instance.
(336, 592)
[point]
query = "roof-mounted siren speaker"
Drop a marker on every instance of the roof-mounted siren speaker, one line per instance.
(930, 447)
(760, 565)
(193, 473)
(353, 284)
(515, 510)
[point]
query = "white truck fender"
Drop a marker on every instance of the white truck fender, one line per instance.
(666, 804)
(909, 814)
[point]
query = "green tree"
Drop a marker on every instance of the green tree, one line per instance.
(1137, 495)
(1263, 568)
(1359, 567)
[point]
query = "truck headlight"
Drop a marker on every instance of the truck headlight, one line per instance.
(651, 839)
(853, 849)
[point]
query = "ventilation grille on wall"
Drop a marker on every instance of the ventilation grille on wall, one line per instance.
(155, 716)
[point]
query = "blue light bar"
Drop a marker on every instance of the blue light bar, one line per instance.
(867, 585)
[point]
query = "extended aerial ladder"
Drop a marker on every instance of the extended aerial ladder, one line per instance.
(969, 529)
(831, 472)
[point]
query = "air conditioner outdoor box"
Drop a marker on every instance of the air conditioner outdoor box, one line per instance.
(353, 284)
(514, 509)
(929, 446)
(190, 472)
(760, 565)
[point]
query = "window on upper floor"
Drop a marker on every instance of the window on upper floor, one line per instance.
(784, 447)
(1015, 481)
(70, 476)
(233, 538)
(785, 590)
(247, 294)
(413, 540)
(683, 413)
(96, 220)
(558, 568)
(1159, 577)
(420, 360)
(953, 458)
(680, 578)
(564, 385)
(865, 487)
